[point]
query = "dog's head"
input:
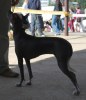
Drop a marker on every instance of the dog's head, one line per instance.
(18, 20)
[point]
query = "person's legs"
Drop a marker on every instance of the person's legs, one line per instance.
(33, 21)
(4, 40)
(58, 25)
(72, 25)
(39, 25)
(62, 20)
(75, 26)
(55, 25)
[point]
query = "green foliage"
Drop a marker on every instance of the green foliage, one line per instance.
(20, 3)
(82, 3)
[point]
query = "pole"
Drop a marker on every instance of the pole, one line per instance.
(66, 17)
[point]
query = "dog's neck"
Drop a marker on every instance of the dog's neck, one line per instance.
(18, 31)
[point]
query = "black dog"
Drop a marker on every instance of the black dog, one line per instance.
(28, 47)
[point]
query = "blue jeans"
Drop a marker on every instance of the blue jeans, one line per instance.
(63, 20)
(36, 24)
(56, 24)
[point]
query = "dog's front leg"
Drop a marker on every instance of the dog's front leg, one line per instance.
(29, 71)
(20, 64)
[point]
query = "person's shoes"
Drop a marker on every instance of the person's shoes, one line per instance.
(56, 34)
(43, 35)
(9, 73)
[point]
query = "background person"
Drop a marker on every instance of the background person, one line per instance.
(56, 18)
(63, 16)
(25, 4)
(36, 19)
(78, 22)
(71, 21)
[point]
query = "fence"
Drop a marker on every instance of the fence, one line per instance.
(22, 10)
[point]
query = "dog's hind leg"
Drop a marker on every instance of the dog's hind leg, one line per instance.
(63, 65)
(29, 71)
(20, 64)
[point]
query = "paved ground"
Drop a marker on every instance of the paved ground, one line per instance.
(49, 83)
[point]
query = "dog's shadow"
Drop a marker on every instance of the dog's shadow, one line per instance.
(47, 70)
(48, 79)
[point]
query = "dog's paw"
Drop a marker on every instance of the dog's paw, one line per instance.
(18, 85)
(76, 92)
(29, 83)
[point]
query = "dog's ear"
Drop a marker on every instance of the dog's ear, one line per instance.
(26, 15)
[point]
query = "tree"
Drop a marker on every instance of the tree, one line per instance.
(82, 3)
(20, 2)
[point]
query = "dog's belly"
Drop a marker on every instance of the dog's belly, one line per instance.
(35, 53)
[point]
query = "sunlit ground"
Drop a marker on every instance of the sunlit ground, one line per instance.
(78, 43)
